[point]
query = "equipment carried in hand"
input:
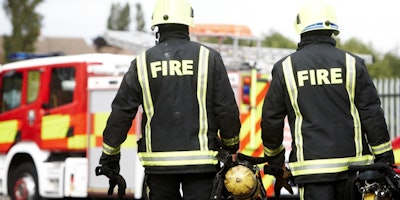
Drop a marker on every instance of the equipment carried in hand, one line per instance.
(378, 181)
(239, 180)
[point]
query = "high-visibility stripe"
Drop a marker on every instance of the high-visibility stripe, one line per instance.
(301, 193)
(77, 141)
(273, 152)
(293, 95)
(244, 135)
(332, 165)
(382, 148)
(8, 131)
(178, 158)
(109, 150)
(55, 126)
(350, 87)
(201, 97)
(147, 100)
(396, 153)
(230, 141)
(100, 121)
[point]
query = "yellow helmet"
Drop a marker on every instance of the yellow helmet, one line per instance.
(172, 12)
(242, 183)
(316, 15)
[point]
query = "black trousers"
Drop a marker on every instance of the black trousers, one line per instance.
(180, 186)
(325, 190)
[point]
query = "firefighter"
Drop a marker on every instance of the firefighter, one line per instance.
(189, 110)
(333, 110)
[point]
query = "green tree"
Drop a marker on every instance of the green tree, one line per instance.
(26, 25)
(140, 22)
(387, 67)
(355, 45)
(384, 66)
(119, 18)
(277, 40)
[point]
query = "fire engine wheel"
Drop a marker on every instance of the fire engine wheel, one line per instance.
(24, 183)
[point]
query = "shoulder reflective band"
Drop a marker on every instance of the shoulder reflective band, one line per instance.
(55, 126)
(201, 96)
(293, 94)
(147, 100)
(350, 87)
(8, 131)
(332, 165)
(178, 158)
(382, 148)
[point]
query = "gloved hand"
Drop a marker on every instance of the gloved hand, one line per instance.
(282, 177)
(110, 168)
(283, 182)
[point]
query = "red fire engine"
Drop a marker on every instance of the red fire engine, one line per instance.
(52, 114)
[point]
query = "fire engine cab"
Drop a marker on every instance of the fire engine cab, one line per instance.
(52, 114)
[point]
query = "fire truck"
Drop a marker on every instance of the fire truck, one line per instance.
(52, 114)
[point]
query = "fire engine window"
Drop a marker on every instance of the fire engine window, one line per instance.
(11, 92)
(62, 86)
(33, 85)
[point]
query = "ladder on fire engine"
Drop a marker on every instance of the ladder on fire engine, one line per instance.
(234, 55)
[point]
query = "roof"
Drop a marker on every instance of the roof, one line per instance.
(223, 30)
(135, 41)
(99, 62)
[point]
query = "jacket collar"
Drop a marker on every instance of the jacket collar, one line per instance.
(316, 39)
(174, 34)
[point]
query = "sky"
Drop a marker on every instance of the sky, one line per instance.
(373, 22)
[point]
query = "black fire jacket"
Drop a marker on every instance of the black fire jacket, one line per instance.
(190, 111)
(333, 109)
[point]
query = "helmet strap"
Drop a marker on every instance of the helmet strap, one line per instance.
(157, 36)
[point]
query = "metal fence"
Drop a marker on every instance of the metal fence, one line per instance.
(389, 92)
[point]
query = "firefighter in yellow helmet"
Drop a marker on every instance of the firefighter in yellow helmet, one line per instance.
(189, 110)
(333, 110)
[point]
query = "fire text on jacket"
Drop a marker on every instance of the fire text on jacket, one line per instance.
(171, 68)
(320, 76)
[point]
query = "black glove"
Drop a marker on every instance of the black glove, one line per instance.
(282, 177)
(110, 168)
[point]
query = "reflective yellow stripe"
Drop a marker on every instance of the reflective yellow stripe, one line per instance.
(350, 87)
(77, 142)
(382, 148)
(100, 121)
(230, 141)
(55, 126)
(201, 97)
(301, 193)
(147, 100)
(273, 152)
(8, 131)
(130, 141)
(178, 158)
(396, 153)
(109, 150)
(333, 165)
(293, 94)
